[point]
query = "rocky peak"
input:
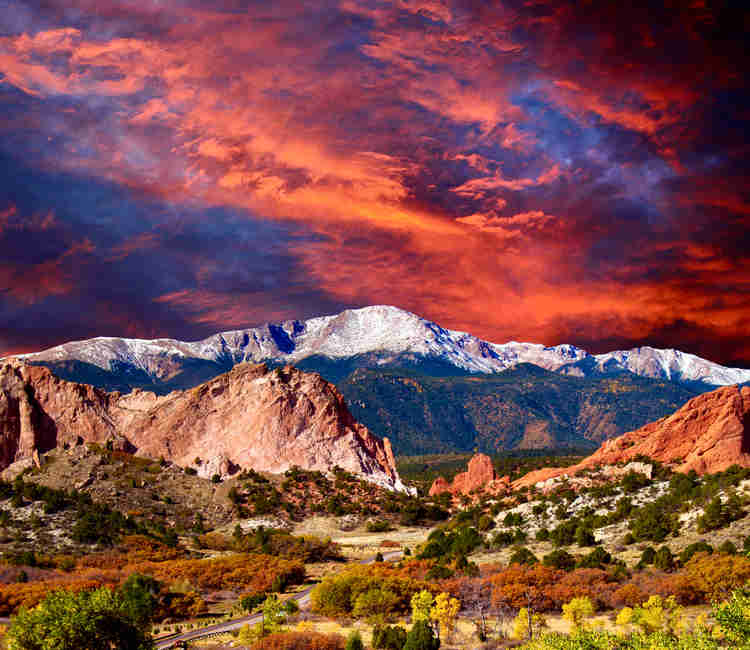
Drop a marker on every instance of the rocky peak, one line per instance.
(251, 417)
(480, 475)
(708, 434)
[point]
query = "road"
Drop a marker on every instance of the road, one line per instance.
(302, 598)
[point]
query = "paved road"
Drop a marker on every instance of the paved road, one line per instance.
(302, 598)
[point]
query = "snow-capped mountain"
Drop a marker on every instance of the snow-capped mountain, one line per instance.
(379, 335)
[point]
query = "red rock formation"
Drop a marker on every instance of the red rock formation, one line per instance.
(249, 417)
(480, 475)
(708, 434)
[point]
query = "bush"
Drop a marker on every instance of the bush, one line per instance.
(597, 559)
(421, 637)
(388, 637)
(300, 641)
(92, 619)
(654, 521)
(354, 642)
(718, 514)
(378, 526)
(648, 555)
(523, 555)
(692, 549)
(664, 559)
(559, 559)
(727, 547)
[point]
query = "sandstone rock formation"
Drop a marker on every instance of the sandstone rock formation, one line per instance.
(708, 434)
(250, 417)
(480, 475)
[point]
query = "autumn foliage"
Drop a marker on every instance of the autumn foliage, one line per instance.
(300, 641)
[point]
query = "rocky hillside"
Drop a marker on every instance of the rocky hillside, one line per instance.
(250, 417)
(522, 408)
(708, 434)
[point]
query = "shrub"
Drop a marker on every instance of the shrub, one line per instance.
(577, 611)
(387, 637)
(634, 481)
(664, 559)
(354, 642)
(718, 514)
(337, 595)
(559, 559)
(653, 521)
(727, 547)
(523, 555)
(92, 619)
(597, 559)
(647, 557)
(692, 549)
(421, 637)
(378, 526)
(300, 641)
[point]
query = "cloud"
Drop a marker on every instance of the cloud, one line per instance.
(530, 170)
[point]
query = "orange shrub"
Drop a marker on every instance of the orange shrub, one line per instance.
(240, 572)
(300, 641)
(628, 595)
(516, 584)
(595, 584)
(30, 594)
(711, 577)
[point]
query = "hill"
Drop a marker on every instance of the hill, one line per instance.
(525, 407)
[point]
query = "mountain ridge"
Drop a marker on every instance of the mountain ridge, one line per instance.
(377, 335)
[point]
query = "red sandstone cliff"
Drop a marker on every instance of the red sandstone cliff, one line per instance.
(249, 417)
(480, 475)
(708, 434)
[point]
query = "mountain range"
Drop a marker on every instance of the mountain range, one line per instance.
(428, 388)
(379, 335)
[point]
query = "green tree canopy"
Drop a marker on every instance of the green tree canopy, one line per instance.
(94, 620)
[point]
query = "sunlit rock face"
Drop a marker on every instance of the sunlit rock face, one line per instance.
(269, 420)
(709, 434)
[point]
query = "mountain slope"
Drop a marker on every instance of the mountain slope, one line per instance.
(708, 434)
(368, 337)
(252, 417)
(522, 408)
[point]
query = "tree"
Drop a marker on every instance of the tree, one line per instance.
(421, 606)
(524, 624)
(140, 598)
(522, 555)
(577, 611)
(733, 617)
(274, 615)
(444, 613)
(658, 614)
(388, 637)
(94, 620)
(559, 559)
(663, 559)
(354, 642)
(421, 637)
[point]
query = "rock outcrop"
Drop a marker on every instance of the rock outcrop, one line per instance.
(708, 434)
(479, 476)
(249, 417)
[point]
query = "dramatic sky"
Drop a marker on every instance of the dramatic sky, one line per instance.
(535, 170)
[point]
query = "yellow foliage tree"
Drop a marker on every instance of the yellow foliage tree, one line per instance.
(577, 611)
(624, 618)
(444, 613)
(421, 606)
(657, 614)
(523, 628)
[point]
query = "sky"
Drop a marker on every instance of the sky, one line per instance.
(533, 170)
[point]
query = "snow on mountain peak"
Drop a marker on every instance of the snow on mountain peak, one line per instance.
(386, 334)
